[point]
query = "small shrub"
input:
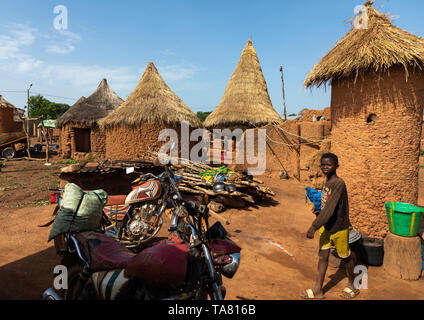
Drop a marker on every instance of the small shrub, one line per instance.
(70, 161)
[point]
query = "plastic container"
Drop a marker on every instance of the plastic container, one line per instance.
(371, 251)
(404, 218)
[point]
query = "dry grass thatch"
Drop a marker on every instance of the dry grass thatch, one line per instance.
(246, 100)
(151, 101)
(5, 104)
(87, 111)
(377, 48)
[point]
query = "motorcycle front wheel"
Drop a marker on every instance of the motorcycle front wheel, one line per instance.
(77, 287)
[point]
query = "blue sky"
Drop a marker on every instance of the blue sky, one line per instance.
(194, 44)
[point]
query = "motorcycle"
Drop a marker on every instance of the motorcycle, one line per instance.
(136, 218)
(188, 264)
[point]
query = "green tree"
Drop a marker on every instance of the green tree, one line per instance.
(41, 107)
(203, 115)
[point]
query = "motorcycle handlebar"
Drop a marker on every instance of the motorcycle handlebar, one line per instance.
(148, 175)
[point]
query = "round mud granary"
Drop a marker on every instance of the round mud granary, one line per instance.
(376, 114)
(134, 128)
(79, 130)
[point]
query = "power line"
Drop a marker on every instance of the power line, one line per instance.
(42, 94)
(49, 95)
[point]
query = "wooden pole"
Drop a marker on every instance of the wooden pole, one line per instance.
(45, 133)
(27, 135)
(284, 96)
(26, 128)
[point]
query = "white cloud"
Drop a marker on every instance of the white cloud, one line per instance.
(176, 72)
(21, 36)
(168, 52)
(63, 42)
(63, 48)
(72, 80)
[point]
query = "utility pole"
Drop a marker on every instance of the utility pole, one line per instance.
(28, 108)
(284, 97)
(27, 124)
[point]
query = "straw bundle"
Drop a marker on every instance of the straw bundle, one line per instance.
(377, 48)
(151, 101)
(246, 100)
(87, 111)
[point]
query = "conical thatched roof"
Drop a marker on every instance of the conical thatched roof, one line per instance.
(80, 99)
(151, 101)
(5, 104)
(246, 100)
(377, 48)
(87, 111)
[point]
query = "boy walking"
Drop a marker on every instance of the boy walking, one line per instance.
(333, 225)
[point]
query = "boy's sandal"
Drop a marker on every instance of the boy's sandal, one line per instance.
(308, 294)
(349, 293)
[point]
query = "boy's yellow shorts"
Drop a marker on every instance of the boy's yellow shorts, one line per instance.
(338, 240)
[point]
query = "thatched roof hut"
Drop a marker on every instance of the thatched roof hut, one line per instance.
(376, 48)
(377, 98)
(151, 101)
(80, 133)
(87, 111)
(246, 102)
(133, 128)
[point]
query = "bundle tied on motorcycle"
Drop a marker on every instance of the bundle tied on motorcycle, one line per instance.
(79, 211)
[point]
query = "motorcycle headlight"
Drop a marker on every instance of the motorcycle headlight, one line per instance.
(230, 269)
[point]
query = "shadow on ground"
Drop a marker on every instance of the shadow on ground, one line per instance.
(27, 278)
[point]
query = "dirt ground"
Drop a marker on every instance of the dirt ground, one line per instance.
(277, 261)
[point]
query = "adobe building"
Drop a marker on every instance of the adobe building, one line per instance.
(79, 130)
(246, 103)
(134, 127)
(377, 99)
(9, 120)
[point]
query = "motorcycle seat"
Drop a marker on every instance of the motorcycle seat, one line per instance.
(116, 200)
(105, 253)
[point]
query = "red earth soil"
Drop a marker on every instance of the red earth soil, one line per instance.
(277, 261)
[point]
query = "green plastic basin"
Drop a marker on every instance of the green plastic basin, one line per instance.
(404, 218)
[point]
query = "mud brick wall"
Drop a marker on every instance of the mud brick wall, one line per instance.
(68, 143)
(114, 183)
(313, 131)
(98, 141)
(7, 124)
(65, 143)
(379, 160)
(131, 143)
(283, 150)
(309, 114)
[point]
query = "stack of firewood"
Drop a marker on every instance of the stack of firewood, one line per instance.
(248, 189)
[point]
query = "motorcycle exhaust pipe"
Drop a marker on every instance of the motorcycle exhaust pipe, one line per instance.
(51, 294)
